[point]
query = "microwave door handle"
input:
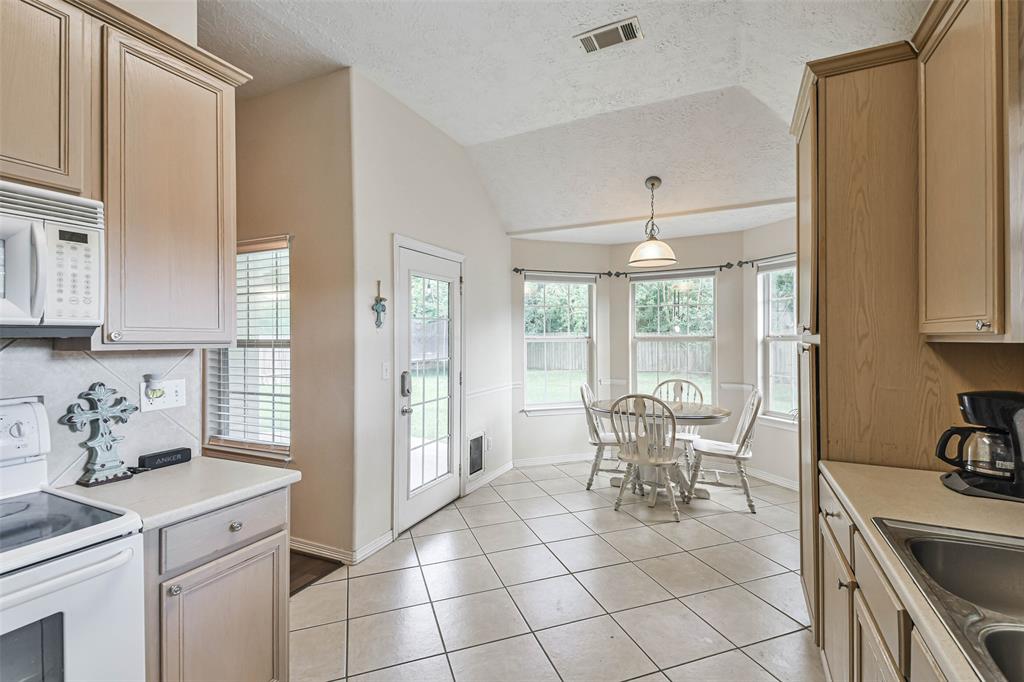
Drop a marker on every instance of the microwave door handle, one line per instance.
(75, 577)
(39, 249)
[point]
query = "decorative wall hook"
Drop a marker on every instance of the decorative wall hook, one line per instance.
(104, 465)
(379, 308)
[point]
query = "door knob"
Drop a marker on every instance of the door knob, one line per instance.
(406, 410)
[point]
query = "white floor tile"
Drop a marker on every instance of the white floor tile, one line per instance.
(524, 564)
(594, 650)
(554, 601)
(670, 633)
(392, 637)
(478, 618)
(459, 577)
(510, 660)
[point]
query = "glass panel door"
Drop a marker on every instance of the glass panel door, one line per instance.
(34, 652)
(430, 365)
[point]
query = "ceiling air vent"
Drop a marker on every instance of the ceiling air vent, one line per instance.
(610, 34)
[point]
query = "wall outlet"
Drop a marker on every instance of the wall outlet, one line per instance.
(173, 396)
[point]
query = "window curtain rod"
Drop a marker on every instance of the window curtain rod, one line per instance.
(609, 273)
(720, 267)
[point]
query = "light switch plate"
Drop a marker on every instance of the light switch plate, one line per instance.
(174, 396)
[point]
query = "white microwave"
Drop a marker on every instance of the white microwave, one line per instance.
(51, 263)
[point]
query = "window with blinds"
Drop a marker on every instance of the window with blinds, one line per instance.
(248, 388)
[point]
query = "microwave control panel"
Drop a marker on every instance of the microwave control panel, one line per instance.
(74, 285)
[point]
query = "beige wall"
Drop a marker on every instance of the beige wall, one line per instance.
(553, 435)
(409, 178)
(177, 17)
(294, 177)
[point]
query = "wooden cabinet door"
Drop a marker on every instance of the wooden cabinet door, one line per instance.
(871, 660)
(961, 173)
(228, 619)
(808, 432)
(42, 78)
(836, 606)
(806, 223)
(169, 152)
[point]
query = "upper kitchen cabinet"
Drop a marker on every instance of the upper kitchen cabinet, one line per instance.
(44, 86)
(971, 192)
(169, 181)
(804, 128)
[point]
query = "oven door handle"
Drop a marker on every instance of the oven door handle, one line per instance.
(79, 575)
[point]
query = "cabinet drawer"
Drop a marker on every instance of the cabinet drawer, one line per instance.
(892, 619)
(923, 667)
(212, 534)
(836, 518)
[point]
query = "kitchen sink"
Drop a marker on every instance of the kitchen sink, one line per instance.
(975, 583)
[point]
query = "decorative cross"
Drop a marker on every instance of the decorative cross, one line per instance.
(104, 465)
(379, 308)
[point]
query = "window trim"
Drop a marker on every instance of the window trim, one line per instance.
(232, 446)
(634, 337)
(765, 339)
(533, 409)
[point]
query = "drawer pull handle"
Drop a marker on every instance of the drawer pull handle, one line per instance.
(842, 585)
(174, 590)
(832, 515)
(235, 526)
(982, 325)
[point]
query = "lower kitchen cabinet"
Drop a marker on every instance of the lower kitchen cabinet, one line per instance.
(871, 659)
(217, 594)
(837, 585)
(223, 620)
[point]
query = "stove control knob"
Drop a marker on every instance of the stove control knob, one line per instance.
(17, 430)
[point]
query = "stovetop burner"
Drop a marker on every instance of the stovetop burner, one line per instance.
(37, 516)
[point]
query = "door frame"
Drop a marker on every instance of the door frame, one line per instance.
(403, 242)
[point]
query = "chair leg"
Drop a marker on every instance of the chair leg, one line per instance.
(626, 480)
(746, 485)
(682, 482)
(694, 475)
(595, 466)
(652, 495)
(670, 488)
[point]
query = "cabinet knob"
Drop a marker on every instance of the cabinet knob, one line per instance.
(115, 336)
(235, 526)
(174, 590)
(842, 585)
(982, 325)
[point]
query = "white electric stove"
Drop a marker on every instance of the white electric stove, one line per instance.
(71, 571)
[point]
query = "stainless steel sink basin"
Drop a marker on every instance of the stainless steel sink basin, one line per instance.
(975, 583)
(1006, 647)
(989, 575)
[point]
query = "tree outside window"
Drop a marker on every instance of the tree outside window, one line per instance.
(557, 325)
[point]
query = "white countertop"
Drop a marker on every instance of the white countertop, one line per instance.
(913, 495)
(175, 493)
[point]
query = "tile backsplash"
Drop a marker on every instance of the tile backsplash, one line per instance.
(31, 367)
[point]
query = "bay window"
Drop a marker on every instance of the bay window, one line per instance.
(778, 356)
(673, 324)
(558, 328)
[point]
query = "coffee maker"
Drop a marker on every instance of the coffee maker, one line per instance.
(990, 453)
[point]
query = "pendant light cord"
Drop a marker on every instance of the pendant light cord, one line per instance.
(651, 229)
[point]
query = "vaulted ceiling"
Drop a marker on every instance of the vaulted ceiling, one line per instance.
(562, 138)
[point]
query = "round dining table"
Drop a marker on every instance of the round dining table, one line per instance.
(686, 414)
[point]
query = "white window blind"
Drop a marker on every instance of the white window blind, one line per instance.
(249, 387)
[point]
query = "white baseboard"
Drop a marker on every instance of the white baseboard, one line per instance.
(344, 556)
(486, 477)
(554, 459)
(773, 478)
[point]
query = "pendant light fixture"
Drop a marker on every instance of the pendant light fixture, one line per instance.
(652, 252)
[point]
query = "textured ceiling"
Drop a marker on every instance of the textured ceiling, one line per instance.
(631, 231)
(562, 137)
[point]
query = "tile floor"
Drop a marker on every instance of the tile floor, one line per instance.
(535, 578)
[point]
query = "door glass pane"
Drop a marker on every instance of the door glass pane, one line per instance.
(34, 652)
(430, 355)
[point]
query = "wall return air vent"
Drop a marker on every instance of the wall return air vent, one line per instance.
(610, 34)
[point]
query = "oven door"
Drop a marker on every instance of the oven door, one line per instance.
(78, 617)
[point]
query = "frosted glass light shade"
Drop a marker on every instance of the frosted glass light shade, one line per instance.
(652, 253)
